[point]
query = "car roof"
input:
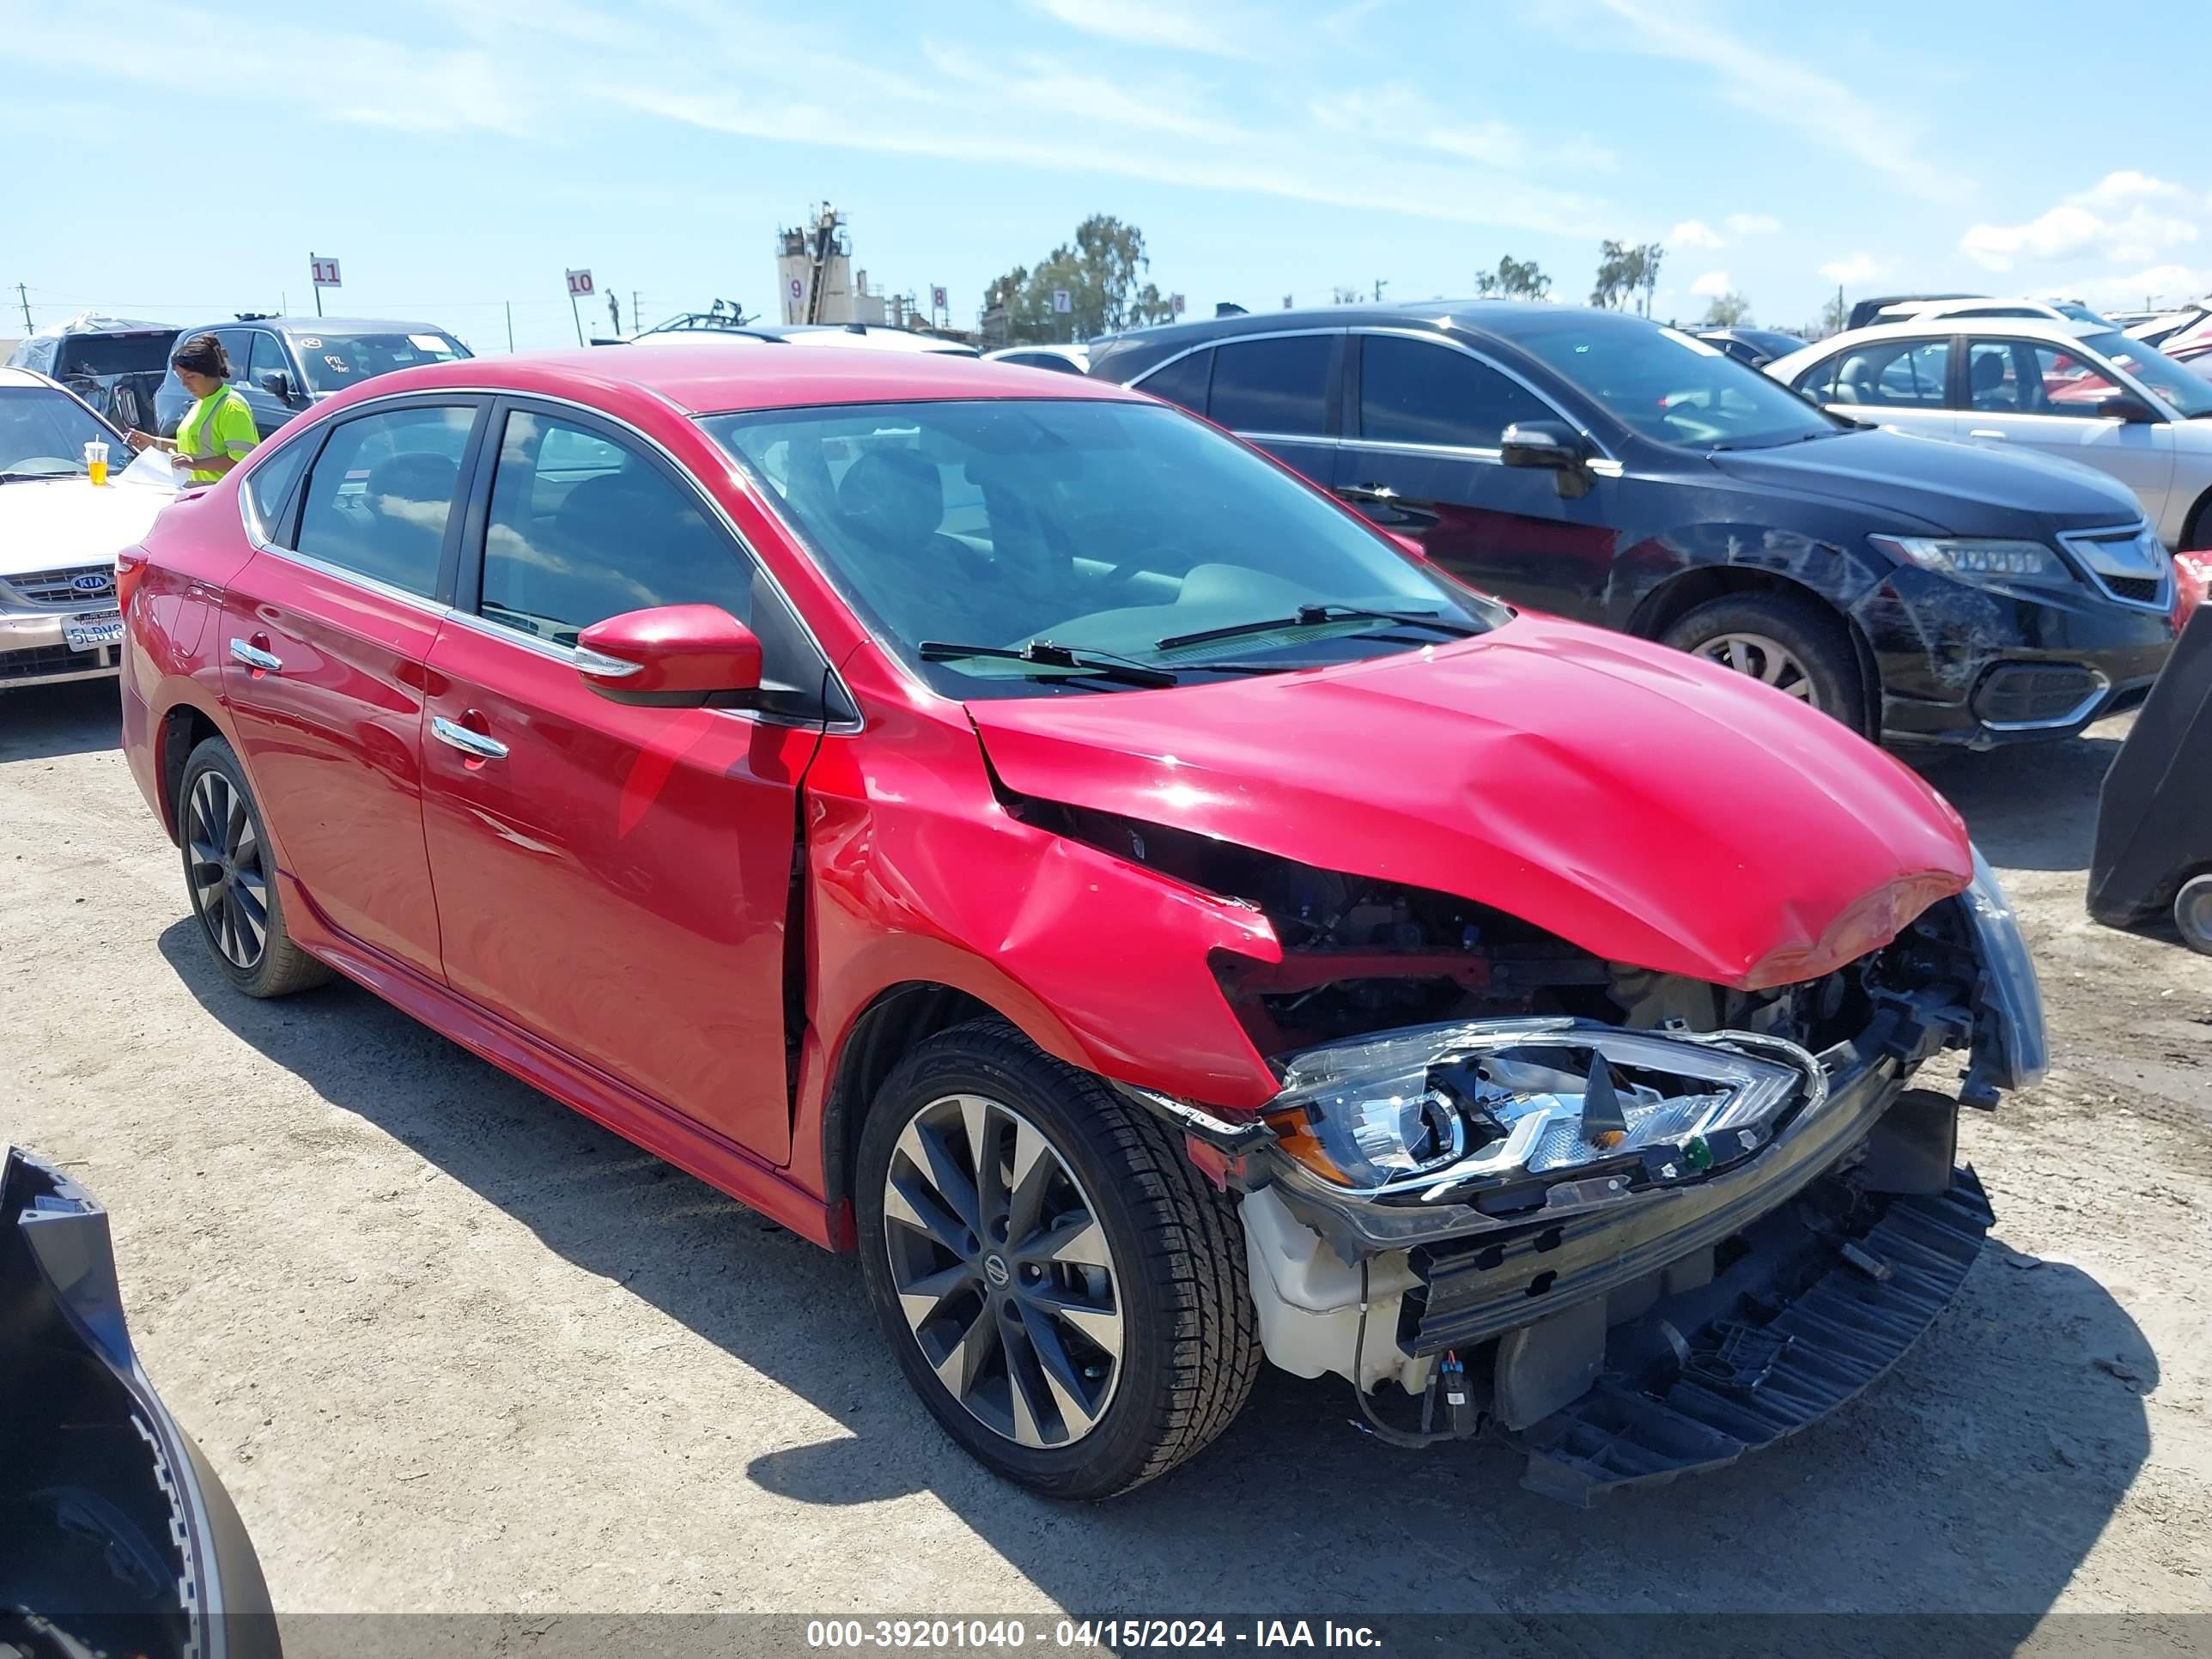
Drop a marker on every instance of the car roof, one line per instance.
(1505, 317)
(707, 379)
(1929, 328)
(22, 377)
(323, 326)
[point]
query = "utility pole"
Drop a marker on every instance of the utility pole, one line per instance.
(635, 325)
(1380, 284)
(22, 294)
(510, 327)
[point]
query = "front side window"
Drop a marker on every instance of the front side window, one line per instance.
(1666, 385)
(383, 492)
(43, 434)
(266, 358)
(1115, 528)
(583, 527)
(1416, 391)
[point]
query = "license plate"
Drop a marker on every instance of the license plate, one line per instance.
(84, 633)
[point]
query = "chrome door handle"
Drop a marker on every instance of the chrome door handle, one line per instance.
(1367, 492)
(254, 657)
(468, 742)
(1984, 432)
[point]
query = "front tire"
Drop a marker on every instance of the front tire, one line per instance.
(231, 876)
(1788, 643)
(1062, 1288)
(2192, 913)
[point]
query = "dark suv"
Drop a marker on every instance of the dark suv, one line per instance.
(1609, 469)
(286, 364)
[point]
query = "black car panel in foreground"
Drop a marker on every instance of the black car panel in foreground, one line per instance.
(115, 1535)
(1606, 469)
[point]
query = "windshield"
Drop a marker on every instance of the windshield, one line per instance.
(45, 432)
(2181, 389)
(335, 362)
(1112, 530)
(1666, 385)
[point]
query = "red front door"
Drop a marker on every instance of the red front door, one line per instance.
(619, 879)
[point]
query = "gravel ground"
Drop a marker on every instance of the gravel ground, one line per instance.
(453, 1347)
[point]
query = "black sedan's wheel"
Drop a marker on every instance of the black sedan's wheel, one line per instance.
(231, 877)
(1064, 1291)
(2192, 913)
(1784, 642)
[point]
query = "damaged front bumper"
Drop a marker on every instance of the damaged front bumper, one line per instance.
(1679, 1246)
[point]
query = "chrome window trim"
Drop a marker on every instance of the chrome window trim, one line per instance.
(496, 630)
(1603, 457)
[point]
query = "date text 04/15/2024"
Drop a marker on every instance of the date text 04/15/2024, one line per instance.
(937, 1635)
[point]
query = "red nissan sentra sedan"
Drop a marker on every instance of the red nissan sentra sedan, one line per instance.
(1006, 826)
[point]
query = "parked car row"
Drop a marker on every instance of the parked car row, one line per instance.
(995, 821)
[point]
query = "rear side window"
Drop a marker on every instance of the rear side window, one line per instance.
(382, 493)
(1183, 381)
(1412, 391)
(269, 485)
(1884, 373)
(1278, 385)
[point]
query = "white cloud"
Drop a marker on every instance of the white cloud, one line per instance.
(1784, 89)
(1753, 224)
(2114, 217)
(1853, 268)
(1140, 23)
(1712, 285)
(2162, 284)
(1693, 233)
(1399, 114)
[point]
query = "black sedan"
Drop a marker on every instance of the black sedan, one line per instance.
(1604, 468)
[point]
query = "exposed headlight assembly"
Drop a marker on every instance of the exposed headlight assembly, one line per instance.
(1978, 560)
(1451, 1110)
(2010, 1049)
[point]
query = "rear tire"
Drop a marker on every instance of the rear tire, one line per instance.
(970, 1120)
(1790, 644)
(230, 876)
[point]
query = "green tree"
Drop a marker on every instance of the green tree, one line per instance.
(1623, 272)
(1727, 311)
(1101, 270)
(1514, 279)
(1834, 315)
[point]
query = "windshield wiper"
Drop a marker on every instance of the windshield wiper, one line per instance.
(1317, 616)
(36, 478)
(1043, 653)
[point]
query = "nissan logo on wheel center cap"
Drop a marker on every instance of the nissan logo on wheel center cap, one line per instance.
(995, 1270)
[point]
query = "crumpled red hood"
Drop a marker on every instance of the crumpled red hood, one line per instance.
(1653, 809)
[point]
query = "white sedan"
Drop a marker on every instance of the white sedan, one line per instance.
(2077, 392)
(60, 534)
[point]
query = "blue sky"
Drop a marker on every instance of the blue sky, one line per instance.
(458, 154)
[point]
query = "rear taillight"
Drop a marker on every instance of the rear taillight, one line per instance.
(130, 571)
(2192, 575)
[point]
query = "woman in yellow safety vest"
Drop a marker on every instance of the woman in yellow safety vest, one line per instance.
(217, 431)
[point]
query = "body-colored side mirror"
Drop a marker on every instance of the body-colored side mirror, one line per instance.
(673, 655)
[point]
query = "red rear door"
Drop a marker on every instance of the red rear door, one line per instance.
(324, 644)
(617, 879)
